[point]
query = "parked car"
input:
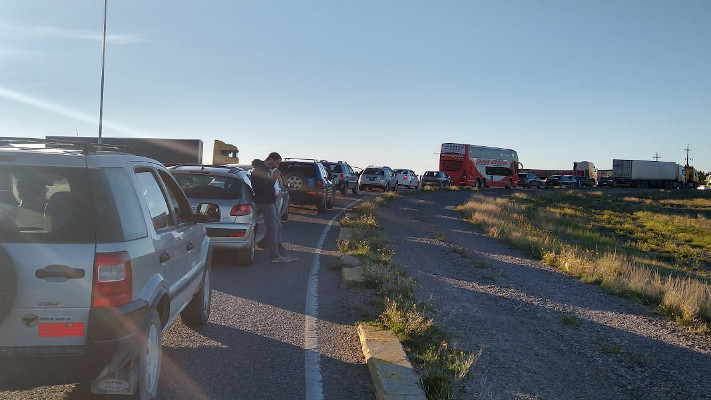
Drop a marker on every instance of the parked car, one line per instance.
(436, 179)
(407, 177)
(282, 193)
(344, 178)
(570, 181)
(224, 193)
(606, 181)
(309, 183)
(378, 177)
(552, 180)
(91, 278)
(529, 180)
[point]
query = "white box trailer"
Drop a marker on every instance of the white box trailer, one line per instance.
(644, 173)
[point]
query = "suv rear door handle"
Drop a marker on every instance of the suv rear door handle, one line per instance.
(190, 246)
(59, 271)
(164, 257)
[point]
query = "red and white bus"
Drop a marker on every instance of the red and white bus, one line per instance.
(479, 166)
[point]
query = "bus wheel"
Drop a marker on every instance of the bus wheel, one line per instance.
(509, 185)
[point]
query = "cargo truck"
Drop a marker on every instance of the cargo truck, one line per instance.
(644, 173)
(167, 151)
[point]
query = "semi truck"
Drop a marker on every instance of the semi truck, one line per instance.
(644, 173)
(584, 170)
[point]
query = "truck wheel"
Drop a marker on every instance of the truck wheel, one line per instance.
(197, 311)
(8, 284)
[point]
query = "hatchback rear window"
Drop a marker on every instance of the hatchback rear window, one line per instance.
(373, 171)
(209, 186)
(45, 205)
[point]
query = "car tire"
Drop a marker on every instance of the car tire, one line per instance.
(147, 361)
(285, 215)
(197, 311)
(355, 189)
(321, 206)
(344, 189)
(8, 284)
(386, 188)
(330, 201)
(246, 256)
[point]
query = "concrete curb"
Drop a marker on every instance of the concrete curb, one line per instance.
(391, 371)
(392, 374)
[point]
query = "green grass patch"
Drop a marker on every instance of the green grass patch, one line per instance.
(652, 246)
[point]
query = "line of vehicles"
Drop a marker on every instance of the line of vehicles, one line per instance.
(483, 166)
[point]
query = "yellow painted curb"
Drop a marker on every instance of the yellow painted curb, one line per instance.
(391, 371)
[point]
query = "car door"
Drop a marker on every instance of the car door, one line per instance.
(176, 241)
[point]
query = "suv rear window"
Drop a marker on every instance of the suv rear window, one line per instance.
(46, 205)
(373, 171)
(308, 170)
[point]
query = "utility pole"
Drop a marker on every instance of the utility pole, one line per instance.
(656, 156)
(103, 52)
(687, 149)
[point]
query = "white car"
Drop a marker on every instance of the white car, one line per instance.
(407, 177)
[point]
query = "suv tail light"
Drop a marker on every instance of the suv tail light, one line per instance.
(241, 209)
(112, 285)
(318, 183)
(341, 176)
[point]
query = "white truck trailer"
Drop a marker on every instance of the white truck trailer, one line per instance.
(643, 173)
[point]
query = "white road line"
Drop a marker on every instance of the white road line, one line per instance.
(312, 370)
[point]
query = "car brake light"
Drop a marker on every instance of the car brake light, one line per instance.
(112, 285)
(318, 183)
(341, 176)
(241, 209)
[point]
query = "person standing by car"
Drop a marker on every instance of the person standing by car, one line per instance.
(264, 174)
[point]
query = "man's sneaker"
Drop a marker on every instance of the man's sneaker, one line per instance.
(279, 260)
(289, 258)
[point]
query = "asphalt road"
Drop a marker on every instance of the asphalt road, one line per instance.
(277, 331)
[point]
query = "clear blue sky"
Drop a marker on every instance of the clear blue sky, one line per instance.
(369, 81)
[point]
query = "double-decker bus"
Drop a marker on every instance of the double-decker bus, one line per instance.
(479, 166)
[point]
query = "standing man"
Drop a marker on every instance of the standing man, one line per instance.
(264, 174)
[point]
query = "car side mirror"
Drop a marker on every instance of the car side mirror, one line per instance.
(207, 212)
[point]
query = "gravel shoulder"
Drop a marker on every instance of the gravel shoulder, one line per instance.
(514, 309)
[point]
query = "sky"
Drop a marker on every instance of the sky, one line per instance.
(382, 82)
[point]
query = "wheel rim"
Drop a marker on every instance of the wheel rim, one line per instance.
(294, 182)
(153, 348)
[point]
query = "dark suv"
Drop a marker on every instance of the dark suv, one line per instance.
(99, 253)
(309, 182)
(529, 180)
(344, 177)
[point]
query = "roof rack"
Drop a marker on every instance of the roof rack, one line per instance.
(301, 159)
(232, 168)
(79, 144)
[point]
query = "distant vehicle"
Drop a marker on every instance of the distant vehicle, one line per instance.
(643, 173)
(309, 183)
(436, 179)
(91, 278)
(167, 151)
(377, 177)
(585, 171)
(606, 181)
(529, 180)
(570, 181)
(225, 194)
(479, 166)
(553, 180)
(224, 153)
(344, 178)
(407, 177)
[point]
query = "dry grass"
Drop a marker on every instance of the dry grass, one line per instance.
(655, 249)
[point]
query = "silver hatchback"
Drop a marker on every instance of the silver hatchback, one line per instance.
(225, 195)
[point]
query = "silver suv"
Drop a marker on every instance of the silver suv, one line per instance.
(99, 253)
(378, 177)
(344, 178)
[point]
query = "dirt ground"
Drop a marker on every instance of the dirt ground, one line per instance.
(543, 334)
